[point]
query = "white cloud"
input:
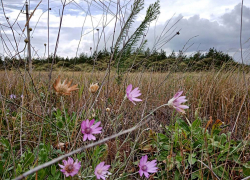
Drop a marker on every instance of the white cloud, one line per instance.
(206, 18)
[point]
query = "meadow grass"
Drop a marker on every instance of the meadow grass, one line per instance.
(41, 118)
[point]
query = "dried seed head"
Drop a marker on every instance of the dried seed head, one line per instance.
(93, 87)
(26, 40)
(60, 145)
(30, 29)
(107, 109)
(64, 88)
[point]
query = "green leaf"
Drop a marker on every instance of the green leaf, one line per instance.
(5, 143)
(246, 171)
(196, 124)
(183, 125)
(58, 174)
(28, 159)
(60, 124)
(198, 143)
(1, 167)
(18, 169)
(53, 170)
(177, 175)
(178, 158)
(166, 147)
(80, 91)
(41, 174)
(191, 159)
(43, 155)
(223, 138)
(161, 136)
(236, 148)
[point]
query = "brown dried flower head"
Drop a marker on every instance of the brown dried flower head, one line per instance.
(107, 109)
(64, 88)
(93, 87)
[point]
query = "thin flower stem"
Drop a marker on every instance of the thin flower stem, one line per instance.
(125, 97)
(63, 109)
(188, 121)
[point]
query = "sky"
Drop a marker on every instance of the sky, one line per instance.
(202, 24)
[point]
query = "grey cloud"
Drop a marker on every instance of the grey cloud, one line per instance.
(223, 35)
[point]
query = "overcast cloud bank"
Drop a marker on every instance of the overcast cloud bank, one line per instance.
(198, 32)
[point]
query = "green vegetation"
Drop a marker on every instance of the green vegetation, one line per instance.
(136, 61)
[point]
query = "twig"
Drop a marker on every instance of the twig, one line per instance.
(209, 169)
(242, 63)
(31, 15)
(246, 178)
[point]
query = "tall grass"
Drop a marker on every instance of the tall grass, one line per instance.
(215, 94)
(39, 128)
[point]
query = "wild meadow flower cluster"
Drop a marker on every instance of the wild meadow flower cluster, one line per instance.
(89, 128)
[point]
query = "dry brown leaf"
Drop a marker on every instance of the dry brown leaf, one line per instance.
(208, 123)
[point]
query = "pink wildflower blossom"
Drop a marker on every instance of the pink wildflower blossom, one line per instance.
(176, 101)
(88, 129)
(132, 95)
(70, 168)
(147, 167)
(101, 170)
(12, 96)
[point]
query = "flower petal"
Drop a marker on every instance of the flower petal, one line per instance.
(83, 124)
(141, 172)
(183, 106)
(91, 122)
(129, 88)
(96, 125)
(91, 137)
(135, 91)
(85, 137)
(136, 99)
(178, 94)
(146, 174)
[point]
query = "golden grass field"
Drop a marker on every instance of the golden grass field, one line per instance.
(31, 119)
(216, 94)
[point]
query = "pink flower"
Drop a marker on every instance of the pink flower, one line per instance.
(132, 95)
(176, 101)
(88, 129)
(70, 168)
(147, 166)
(101, 170)
(12, 96)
